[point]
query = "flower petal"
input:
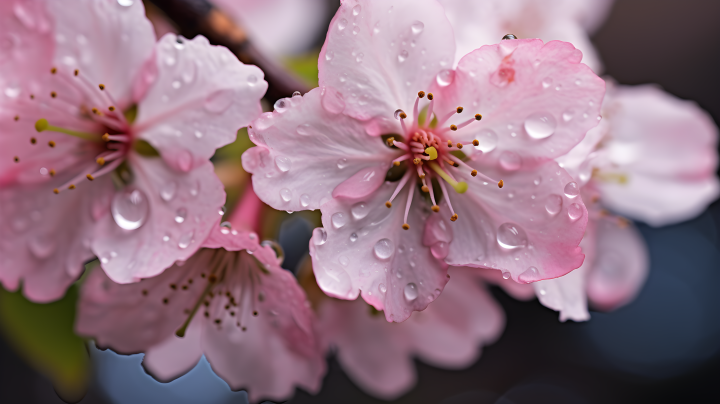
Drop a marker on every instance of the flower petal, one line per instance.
(379, 54)
(106, 40)
(201, 96)
(448, 334)
(537, 101)
(45, 238)
(620, 267)
(174, 211)
(305, 152)
(530, 229)
(363, 247)
(175, 356)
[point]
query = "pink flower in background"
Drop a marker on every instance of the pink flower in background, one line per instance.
(484, 22)
(231, 302)
(324, 151)
(653, 158)
(378, 356)
(87, 91)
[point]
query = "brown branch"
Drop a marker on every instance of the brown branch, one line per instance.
(199, 17)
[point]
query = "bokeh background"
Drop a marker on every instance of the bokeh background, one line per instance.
(662, 348)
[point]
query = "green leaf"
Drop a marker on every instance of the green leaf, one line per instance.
(304, 66)
(143, 148)
(43, 335)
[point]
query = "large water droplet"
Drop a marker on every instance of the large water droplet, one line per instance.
(510, 160)
(130, 208)
(360, 210)
(283, 163)
(506, 275)
(342, 163)
(402, 56)
(356, 10)
(180, 215)
(304, 200)
(440, 250)
(286, 194)
(339, 220)
(303, 129)
(342, 24)
(12, 92)
(319, 236)
(384, 248)
(568, 115)
(397, 113)
(42, 246)
(530, 275)
(553, 204)
(125, 3)
(511, 236)
(382, 288)
(417, 27)
(575, 211)
(332, 101)
(219, 101)
(445, 77)
(185, 240)
(281, 105)
(540, 125)
(572, 189)
(167, 191)
(410, 292)
(487, 140)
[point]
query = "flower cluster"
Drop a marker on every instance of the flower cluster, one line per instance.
(443, 155)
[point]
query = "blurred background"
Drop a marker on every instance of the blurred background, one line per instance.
(662, 348)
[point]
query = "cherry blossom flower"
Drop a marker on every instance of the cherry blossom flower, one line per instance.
(378, 356)
(484, 22)
(231, 301)
(90, 100)
(445, 188)
(653, 158)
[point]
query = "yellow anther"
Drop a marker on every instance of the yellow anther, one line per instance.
(417, 161)
(76, 72)
(102, 86)
(56, 191)
(51, 143)
(422, 176)
(53, 94)
(402, 115)
(501, 184)
(454, 217)
(425, 188)
(16, 159)
(431, 152)
(33, 140)
(406, 226)
(95, 111)
(111, 108)
(453, 127)
(478, 117)
(32, 96)
(390, 141)
(476, 142)
(435, 208)
(421, 94)
(52, 172)
(459, 110)
(449, 143)
(90, 177)
(71, 186)
(106, 137)
(17, 117)
(388, 204)
(430, 96)
(459, 145)
(396, 163)
(53, 70)
(473, 173)
(100, 161)
(41, 125)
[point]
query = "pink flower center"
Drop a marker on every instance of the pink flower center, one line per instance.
(94, 118)
(430, 147)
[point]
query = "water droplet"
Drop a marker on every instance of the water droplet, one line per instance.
(537, 180)
(353, 237)
(219, 101)
(166, 238)
(180, 215)
(167, 191)
(575, 212)
(487, 140)
(106, 257)
(530, 275)
(356, 10)
(376, 28)
(304, 200)
(339, 220)
(198, 134)
(553, 204)
(344, 260)
(360, 210)
(440, 250)
(125, 3)
(12, 92)
(252, 80)
(356, 30)
(445, 77)
(185, 240)
(319, 236)
(283, 163)
(342, 24)
(417, 27)
(572, 189)
(397, 113)
(281, 105)
(511, 236)
(331, 100)
(510, 160)
(547, 82)
(176, 84)
(286, 194)
(329, 55)
(189, 74)
(342, 163)
(402, 56)
(543, 292)
(382, 288)
(384, 248)
(303, 129)
(568, 115)
(42, 246)
(130, 208)
(410, 292)
(359, 57)
(540, 125)
(506, 275)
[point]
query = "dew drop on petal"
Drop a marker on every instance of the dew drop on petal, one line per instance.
(353, 237)
(384, 248)
(410, 292)
(281, 105)
(42, 246)
(568, 115)
(342, 163)
(360, 210)
(167, 191)
(304, 200)
(511, 236)
(530, 275)
(303, 129)
(344, 260)
(285, 194)
(356, 10)
(440, 250)
(506, 275)
(382, 288)
(252, 79)
(575, 211)
(487, 140)
(329, 55)
(572, 189)
(402, 56)
(185, 240)
(553, 204)
(331, 100)
(319, 236)
(283, 163)
(130, 208)
(540, 125)
(547, 82)
(125, 3)
(537, 181)
(180, 215)
(359, 57)
(510, 160)
(339, 220)
(445, 77)
(417, 27)
(342, 24)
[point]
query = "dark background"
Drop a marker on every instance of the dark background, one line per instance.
(662, 348)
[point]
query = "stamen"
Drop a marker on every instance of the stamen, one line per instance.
(388, 204)
(53, 94)
(475, 142)
(432, 194)
(181, 331)
(406, 226)
(459, 145)
(400, 145)
(420, 171)
(71, 186)
(466, 123)
(474, 172)
(449, 143)
(460, 187)
(111, 108)
(53, 70)
(478, 117)
(429, 117)
(90, 177)
(33, 140)
(101, 86)
(397, 161)
(17, 117)
(447, 199)
(453, 128)
(416, 106)
(42, 125)
(16, 159)
(402, 183)
(425, 188)
(500, 184)
(100, 161)
(51, 143)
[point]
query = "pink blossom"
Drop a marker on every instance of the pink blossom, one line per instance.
(73, 76)
(231, 302)
(484, 22)
(378, 356)
(323, 151)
